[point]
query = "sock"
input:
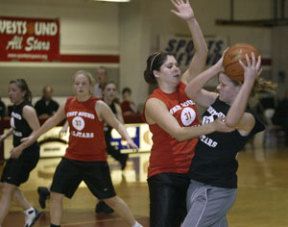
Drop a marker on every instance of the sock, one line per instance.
(137, 224)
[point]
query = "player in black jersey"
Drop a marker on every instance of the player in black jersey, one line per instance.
(110, 98)
(212, 189)
(18, 167)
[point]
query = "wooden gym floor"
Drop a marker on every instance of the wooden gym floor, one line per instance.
(262, 196)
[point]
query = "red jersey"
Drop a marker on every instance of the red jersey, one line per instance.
(169, 155)
(86, 139)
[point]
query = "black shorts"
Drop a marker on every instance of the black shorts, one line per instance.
(16, 171)
(96, 175)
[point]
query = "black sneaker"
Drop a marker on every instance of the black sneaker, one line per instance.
(102, 207)
(44, 194)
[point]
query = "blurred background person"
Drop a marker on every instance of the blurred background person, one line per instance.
(46, 106)
(128, 107)
(280, 117)
(2, 109)
(101, 77)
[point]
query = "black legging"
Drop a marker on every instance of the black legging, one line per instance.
(167, 199)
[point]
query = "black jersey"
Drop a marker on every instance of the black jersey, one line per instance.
(20, 126)
(215, 161)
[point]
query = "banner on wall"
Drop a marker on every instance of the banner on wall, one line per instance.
(183, 48)
(29, 39)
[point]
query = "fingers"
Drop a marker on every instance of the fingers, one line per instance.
(260, 71)
(248, 61)
(178, 3)
(175, 2)
(251, 61)
(175, 12)
(242, 64)
(258, 64)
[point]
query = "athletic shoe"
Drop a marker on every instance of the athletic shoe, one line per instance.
(31, 216)
(102, 207)
(43, 194)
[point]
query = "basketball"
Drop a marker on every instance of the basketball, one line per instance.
(231, 64)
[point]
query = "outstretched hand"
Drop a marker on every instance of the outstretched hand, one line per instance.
(183, 9)
(132, 145)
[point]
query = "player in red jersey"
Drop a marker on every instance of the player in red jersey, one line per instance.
(172, 117)
(85, 158)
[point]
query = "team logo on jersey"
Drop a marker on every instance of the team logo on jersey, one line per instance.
(188, 115)
(78, 123)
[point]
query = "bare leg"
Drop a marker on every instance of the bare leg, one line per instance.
(5, 201)
(21, 199)
(121, 208)
(56, 208)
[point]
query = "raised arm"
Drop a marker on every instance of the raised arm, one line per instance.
(235, 116)
(195, 90)
(184, 10)
(157, 112)
(104, 113)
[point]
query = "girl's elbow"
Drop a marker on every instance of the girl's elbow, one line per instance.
(189, 92)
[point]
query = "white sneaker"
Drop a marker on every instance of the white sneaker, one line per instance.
(31, 216)
(137, 224)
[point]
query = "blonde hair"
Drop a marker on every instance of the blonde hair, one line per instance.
(88, 75)
(262, 85)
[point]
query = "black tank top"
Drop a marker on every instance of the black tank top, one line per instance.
(215, 161)
(20, 126)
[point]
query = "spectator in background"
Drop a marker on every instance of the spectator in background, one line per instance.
(46, 106)
(2, 109)
(280, 116)
(101, 80)
(128, 107)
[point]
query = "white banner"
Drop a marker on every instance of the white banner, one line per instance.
(183, 49)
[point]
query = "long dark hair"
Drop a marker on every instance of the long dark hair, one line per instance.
(154, 62)
(21, 83)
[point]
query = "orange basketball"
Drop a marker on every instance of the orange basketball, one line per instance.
(231, 60)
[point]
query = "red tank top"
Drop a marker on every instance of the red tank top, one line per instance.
(86, 139)
(169, 155)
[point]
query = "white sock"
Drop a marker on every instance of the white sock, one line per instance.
(137, 224)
